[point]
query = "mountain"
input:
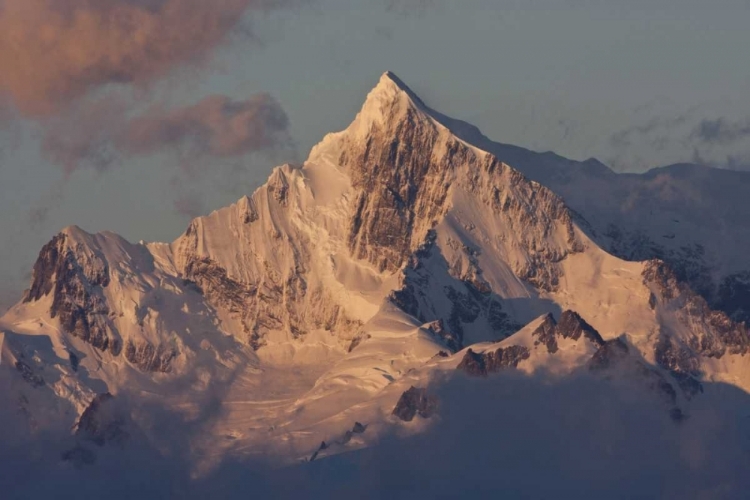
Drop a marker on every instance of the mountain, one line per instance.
(324, 312)
(691, 216)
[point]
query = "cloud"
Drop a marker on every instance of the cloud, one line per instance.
(53, 52)
(98, 133)
(216, 126)
(721, 131)
(508, 436)
(83, 136)
(658, 124)
(685, 136)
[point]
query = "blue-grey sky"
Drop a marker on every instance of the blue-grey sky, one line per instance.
(137, 147)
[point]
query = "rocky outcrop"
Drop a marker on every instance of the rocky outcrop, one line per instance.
(323, 446)
(357, 340)
(449, 308)
(481, 364)
(404, 170)
(690, 265)
(211, 280)
(571, 326)
(29, 375)
(148, 358)
(76, 277)
(689, 385)
(401, 185)
(278, 187)
(415, 401)
(657, 382)
(609, 354)
(713, 333)
(615, 354)
(101, 422)
(672, 356)
(274, 300)
(545, 334)
(439, 331)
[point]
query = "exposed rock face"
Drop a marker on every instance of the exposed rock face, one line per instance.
(438, 330)
(713, 332)
(546, 333)
(571, 326)
(658, 383)
(405, 168)
(461, 303)
(237, 298)
(249, 212)
(358, 428)
(688, 262)
(689, 385)
(400, 186)
(669, 354)
(45, 269)
(74, 361)
(263, 295)
(357, 340)
(733, 297)
(76, 277)
(616, 353)
(691, 266)
(149, 358)
(29, 375)
(278, 187)
(101, 423)
(482, 364)
(323, 446)
(415, 401)
(609, 354)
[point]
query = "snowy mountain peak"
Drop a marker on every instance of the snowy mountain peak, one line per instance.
(391, 85)
(389, 103)
(341, 281)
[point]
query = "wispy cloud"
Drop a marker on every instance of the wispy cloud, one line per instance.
(215, 126)
(663, 126)
(721, 131)
(686, 136)
(102, 134)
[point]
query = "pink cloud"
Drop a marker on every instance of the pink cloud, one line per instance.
(217, 126)
(98, 132)
(52, 52)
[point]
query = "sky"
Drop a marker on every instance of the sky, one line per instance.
(134, 116)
